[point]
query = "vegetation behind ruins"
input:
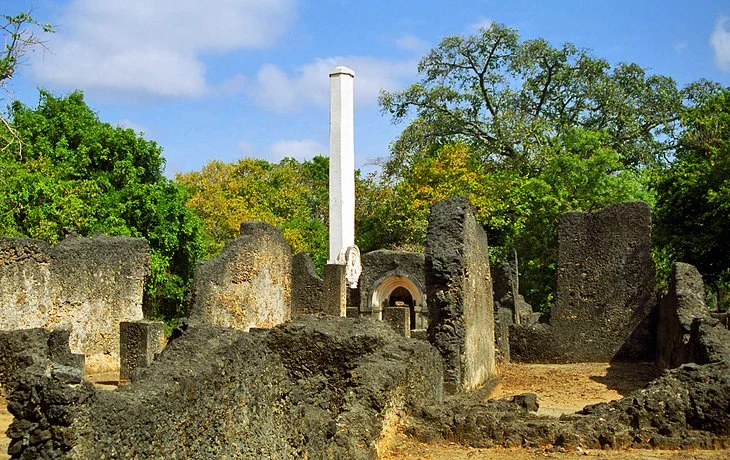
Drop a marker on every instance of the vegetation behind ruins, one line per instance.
(526, 130)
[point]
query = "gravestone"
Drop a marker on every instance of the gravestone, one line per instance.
(140, 343)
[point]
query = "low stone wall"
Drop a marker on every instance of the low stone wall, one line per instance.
(459, 290)
(314, 388)
(686, 408)
(86, 285)
(248, 285)
(605, 297)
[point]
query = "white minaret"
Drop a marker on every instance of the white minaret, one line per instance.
(342, 163)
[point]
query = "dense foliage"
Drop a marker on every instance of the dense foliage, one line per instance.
(693, 207)
(78, 172)
(290, 195)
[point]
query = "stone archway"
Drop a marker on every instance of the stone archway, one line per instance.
(400, 290)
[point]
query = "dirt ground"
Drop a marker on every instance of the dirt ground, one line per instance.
(563, 388)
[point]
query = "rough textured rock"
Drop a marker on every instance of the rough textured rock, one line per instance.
(139, 344)
(87, 285)
(31, 350)
(319, 387)
(678, 308)
(605, 299)
(334, 297)
(688, 407)
(248, 285)
(506, 293)
(307, 287)
(459, 290)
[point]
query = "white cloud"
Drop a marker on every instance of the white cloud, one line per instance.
(154, 47)
(680, 47)
(481, 23)
(308, 85)
(303, 149)
(720, 41)
(408, 42)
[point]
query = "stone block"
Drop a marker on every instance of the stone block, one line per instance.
(335, 290)
(140, 342)
(399, 318)
(605, 296)
(459, 290)
(307, 287)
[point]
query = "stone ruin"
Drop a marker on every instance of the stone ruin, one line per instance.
(322, 386)
(85, 285)
(248, 285)
(605, 295)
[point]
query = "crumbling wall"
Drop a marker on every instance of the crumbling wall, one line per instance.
(315, 388)
(87, 285)
(383, 271)
(686, 332)
(307, 288)
(248, 285)
(459, 290)
(605, 296)
(686, 408)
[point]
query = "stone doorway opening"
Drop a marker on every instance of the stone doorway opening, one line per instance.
(401, 291)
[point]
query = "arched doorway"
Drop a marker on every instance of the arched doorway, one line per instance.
(400, 291)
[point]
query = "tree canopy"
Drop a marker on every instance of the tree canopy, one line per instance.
(693, 206)
(289, 195)
(508, 100)
(76, 171)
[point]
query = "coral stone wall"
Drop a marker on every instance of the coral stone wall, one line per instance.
(87, 285)
(605, 296)
(248, 285)
(459, 290)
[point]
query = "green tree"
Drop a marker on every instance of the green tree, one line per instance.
(508, 99)
(76, 171)
(692, 216)
(289, 195)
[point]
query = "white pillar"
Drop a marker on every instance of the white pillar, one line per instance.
(342, 162)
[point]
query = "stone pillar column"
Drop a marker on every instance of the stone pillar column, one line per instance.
(342, 162)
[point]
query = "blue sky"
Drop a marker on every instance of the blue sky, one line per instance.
(224, 79)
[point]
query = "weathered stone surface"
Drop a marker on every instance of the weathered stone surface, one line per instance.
(605, 299)
(399, 318)
(459, 290)
(86, 285)
(307, 287)
(140, 343)
(396, 268)
(688, 407)
(501, 335)
(248, 285)
(678, 308)
(319, 387)
(506, 293)
(334, 299)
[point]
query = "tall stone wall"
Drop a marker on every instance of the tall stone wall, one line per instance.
(248, 285)
(605, 296)
(87, 285)
(459, 290)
